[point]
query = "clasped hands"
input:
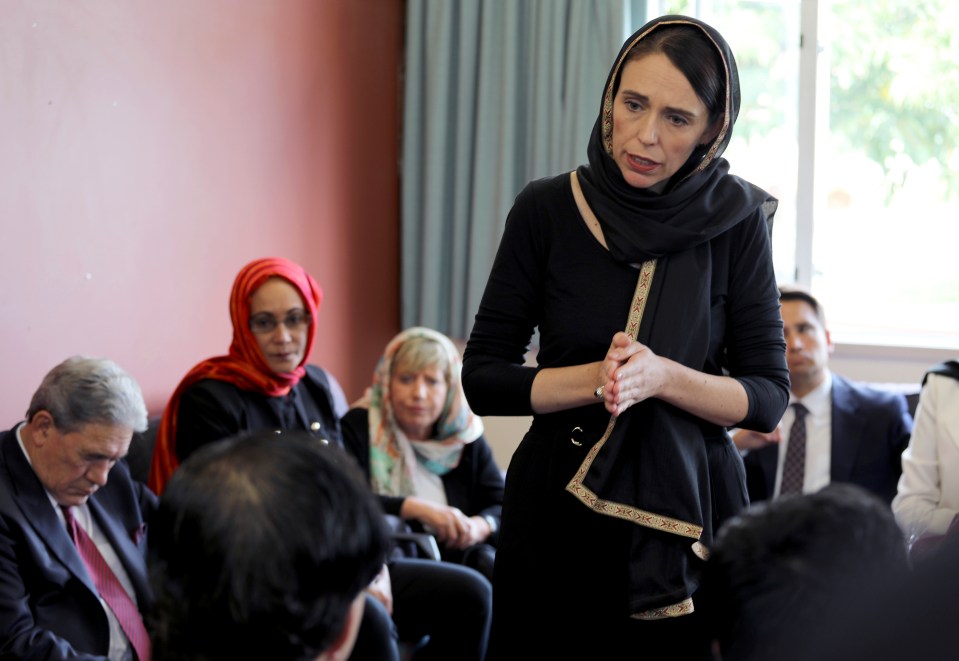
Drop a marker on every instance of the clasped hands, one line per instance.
(448, 524)
(633, 373)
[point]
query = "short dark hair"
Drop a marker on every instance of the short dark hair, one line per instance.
(260, 545)
(776, 571)
(690, 51)
(796, 293)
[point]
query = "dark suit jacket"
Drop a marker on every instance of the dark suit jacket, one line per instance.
(870, 429)
(48, 604)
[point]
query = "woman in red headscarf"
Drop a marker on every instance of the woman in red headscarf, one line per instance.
(263, 382)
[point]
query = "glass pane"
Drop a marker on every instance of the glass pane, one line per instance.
(887, 174)
(764, 37)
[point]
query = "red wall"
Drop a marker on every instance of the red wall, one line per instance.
(148, 150)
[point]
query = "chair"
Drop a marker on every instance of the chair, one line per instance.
(410, 544)
(140, 453)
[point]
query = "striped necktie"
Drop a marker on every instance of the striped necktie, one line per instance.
(794, 466)
(110, 588)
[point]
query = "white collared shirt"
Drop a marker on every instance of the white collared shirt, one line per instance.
(818, 437)
(120, 648)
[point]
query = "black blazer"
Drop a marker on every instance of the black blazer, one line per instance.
(475, 486)
(211, 410)
(48, 604)
(870, 429)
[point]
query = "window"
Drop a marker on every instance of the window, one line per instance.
(848, 117)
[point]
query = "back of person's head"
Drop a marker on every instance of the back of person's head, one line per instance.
(83, 390)
(777, 571)
(261, 545)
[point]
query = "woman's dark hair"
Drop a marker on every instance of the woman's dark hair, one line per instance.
(260, 545)
(691, 51)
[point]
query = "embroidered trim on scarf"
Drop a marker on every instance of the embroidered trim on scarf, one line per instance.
(622, 510)
(685, 607)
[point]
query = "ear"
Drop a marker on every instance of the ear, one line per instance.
(41, 424)
(829, 345)
(342, 646)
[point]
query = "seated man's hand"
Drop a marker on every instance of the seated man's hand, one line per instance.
(746, 439)
(382, 589)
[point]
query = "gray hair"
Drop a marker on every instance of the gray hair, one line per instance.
(83, 390)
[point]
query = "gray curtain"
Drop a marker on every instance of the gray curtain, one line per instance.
(496, 93)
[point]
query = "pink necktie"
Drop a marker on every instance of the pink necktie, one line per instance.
(110, 588)
(794, 466)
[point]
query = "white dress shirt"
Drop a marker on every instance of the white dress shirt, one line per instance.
(818, 437)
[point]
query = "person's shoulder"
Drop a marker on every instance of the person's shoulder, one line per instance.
(868, 393)
(357, 418)
(948, 369)
(551, 185)
(9, 433)
(545, 191)
(9, 451)
(6, 439)
(214, 387)
(540, 207)
(319, 379)
(317, 373)
(941, 385)
(215, 397)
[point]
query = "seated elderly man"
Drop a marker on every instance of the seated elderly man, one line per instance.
(73, 575)
(261, 549)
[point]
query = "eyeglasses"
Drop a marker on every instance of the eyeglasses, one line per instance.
(267, 323)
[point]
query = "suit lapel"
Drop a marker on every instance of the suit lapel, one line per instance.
(38, 511)
(845, 430)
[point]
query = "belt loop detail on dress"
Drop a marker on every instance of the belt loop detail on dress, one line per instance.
(572, 438)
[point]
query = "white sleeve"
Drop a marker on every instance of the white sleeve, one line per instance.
(922, 505)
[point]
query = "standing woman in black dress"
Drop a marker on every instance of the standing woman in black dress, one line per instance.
(649, 276)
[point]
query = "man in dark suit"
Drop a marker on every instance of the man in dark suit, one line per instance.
(72, 545)
(850, 433)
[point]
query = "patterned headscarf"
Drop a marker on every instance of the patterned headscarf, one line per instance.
(393, 456)
(244, 366)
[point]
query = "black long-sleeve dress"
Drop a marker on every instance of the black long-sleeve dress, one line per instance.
(560, 566)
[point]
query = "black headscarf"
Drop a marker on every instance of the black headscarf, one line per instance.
(700, 201)
(949, 368)
(669, 466)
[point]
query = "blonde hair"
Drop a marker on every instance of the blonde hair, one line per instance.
(418, 353)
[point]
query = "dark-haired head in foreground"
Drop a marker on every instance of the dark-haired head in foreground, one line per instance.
(781, 571)
(261, 549)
